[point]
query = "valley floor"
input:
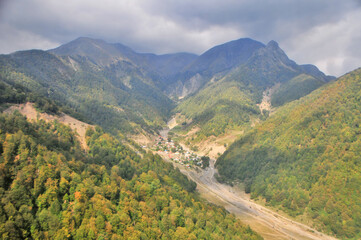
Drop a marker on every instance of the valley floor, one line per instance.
(269, 224)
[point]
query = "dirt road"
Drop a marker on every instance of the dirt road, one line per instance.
(269, 224)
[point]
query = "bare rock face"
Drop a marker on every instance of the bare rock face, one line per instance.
(192, 85)
(180, 90)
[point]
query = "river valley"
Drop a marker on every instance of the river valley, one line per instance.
(268, 223)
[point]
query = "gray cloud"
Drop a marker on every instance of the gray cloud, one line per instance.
(324, 32)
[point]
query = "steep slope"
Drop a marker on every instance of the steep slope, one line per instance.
(225, 56)
(219, 107)
(230, 103)
(305, 158)
(50, 189)
(30, 112)
(164, 69)
(268, 66)
(116, 96)
(216, 60)
(159, 68)
(296, 88)
(95, 50)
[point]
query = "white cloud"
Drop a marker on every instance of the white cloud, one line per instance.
(333, 47)
(15, 40)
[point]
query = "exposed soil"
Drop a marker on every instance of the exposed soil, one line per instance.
(31, 113)
(173, 122)
(142, 139)
(215, 146)
(193, 131)
(266, 100)
(212, 147)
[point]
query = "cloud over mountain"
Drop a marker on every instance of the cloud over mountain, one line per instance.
(325, 33)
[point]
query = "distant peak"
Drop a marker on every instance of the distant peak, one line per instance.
(87, 39)
(82, 39)
(246, 39)
(273, 44)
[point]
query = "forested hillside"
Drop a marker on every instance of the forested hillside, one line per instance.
(51, 189)
(306, 158)
(117, 96)
(11, 92)
(218, 108)
(229, 102)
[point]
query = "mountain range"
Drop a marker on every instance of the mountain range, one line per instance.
(297, 132)
(118, 88)
(229, 99)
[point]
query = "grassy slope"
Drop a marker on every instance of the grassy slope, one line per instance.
(305, 159)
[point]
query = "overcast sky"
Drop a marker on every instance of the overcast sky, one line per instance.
(326, 33)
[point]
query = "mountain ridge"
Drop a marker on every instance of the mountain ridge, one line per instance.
(112, 52)
(212, 107)
(123, 81)
(116, 90)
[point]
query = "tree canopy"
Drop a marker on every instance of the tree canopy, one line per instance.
(305, 159)
(51, 189)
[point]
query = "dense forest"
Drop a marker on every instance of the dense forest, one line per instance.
(305, 158)
(218, 108)
(51, 189)
(11, 92)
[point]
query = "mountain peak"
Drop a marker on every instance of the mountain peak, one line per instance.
(87, 39)
(273, 45)
(273, 51)
(225, 56)
(78, 46)
(97, 50)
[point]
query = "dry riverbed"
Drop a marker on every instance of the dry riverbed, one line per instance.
(269, 224)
